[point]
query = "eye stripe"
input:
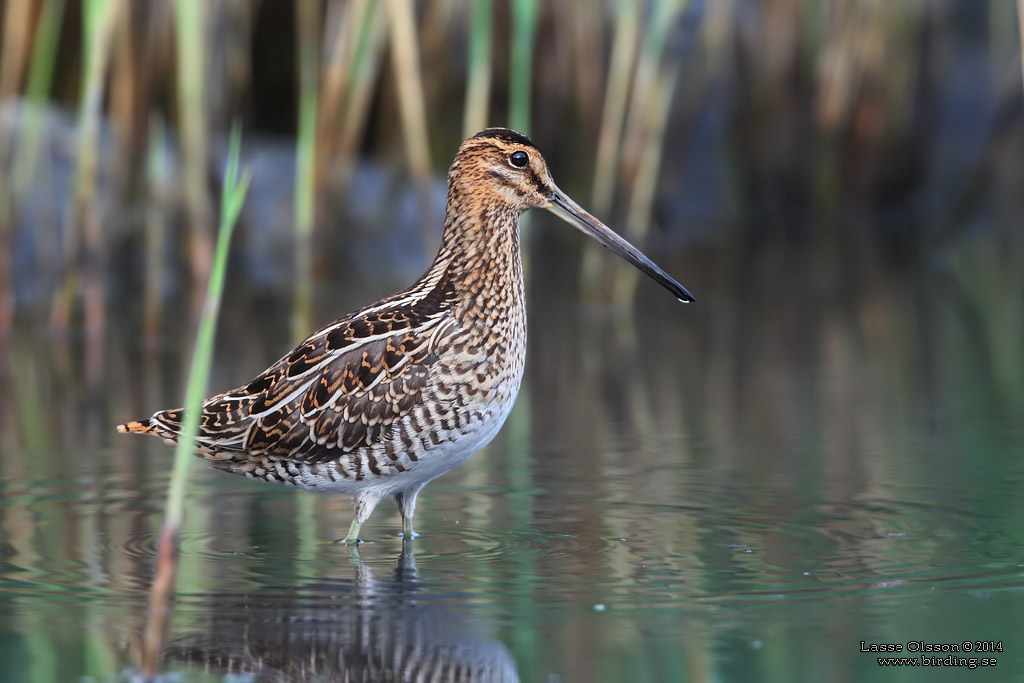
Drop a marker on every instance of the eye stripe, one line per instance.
(501, 179)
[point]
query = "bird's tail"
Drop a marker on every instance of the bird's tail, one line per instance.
(135, 427)
(165, 423)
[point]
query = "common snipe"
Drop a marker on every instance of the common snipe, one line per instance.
(387, 398)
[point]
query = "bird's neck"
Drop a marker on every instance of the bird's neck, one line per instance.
(479, 252)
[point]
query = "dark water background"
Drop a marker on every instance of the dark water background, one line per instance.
(825, 449)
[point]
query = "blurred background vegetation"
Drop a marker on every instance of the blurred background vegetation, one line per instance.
(837, 181)
(867, 132)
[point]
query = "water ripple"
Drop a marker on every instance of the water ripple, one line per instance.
(727, 544)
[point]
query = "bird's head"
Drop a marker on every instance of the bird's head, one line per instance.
(500, 167)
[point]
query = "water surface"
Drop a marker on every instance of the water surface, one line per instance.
(743, 489)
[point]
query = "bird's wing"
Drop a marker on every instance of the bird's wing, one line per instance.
(339, 390)
(343, 402)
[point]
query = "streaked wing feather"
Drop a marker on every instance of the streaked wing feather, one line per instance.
(339, 390)
(349, 402)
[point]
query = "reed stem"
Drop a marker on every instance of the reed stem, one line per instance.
(191, 65)
(157, 172)
(14, 46)
(367, 47)
(616, 97)
(624, 44)
(409, 79)
(478, 89)
(12, 58)
(306, 26)
(40, 79)
(232, 199)
(664, 15)
(524, 29)
(99, 18)
(405, 56)
(641, 202)
(1020, 35)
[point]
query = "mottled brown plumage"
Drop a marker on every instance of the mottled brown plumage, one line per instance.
(391, 396)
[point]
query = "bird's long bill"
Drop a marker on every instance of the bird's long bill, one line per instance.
(573, 213)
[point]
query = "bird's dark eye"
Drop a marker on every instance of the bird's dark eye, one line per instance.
(518, 159)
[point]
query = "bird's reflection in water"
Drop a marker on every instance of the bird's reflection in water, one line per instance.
(366, 630)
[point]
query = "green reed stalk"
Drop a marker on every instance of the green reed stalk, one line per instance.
(524, 30)
(478, 88)
(232, 199)
(191, 65)
(306, 26)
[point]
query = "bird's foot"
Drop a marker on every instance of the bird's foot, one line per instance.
(350, 542)
(352, 537)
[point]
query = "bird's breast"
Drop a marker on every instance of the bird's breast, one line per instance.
(481, 363)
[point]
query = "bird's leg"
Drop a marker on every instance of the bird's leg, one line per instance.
(363, 503)
(352, 538)
(407, 506)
